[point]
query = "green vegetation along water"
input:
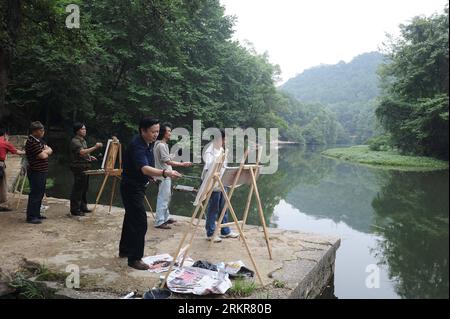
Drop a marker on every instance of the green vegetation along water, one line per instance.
(390, 159)
(396, 220)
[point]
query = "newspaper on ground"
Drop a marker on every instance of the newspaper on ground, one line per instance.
(161, 263)
(158, 263)
(198, 281)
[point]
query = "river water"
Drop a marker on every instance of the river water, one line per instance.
(393, 225)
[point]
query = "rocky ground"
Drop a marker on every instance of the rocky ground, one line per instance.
(91, 244)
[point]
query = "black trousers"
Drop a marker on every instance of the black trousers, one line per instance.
(80, 187)
(134, 227)
(37, 182)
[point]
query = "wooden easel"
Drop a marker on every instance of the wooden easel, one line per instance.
(113, 153)
(20, 183)
(201, 202)
(253, 170)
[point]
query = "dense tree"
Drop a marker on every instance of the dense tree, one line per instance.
(51, 73)
(10, 20)
(174, 59)
(414, 107)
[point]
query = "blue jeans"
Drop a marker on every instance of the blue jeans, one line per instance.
(163, 200)
(37, 182)
(215, 206)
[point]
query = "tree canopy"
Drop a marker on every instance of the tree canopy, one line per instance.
(173, 59)
(414, 105)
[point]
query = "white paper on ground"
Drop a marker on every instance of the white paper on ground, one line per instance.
(161, 263)
(198, 281)
(158, 263)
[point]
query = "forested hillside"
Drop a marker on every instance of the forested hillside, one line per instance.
(347, 89)
(311, 123)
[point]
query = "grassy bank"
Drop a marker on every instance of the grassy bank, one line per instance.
(389, 159)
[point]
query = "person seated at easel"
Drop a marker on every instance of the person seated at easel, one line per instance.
(81, 162)
(5, 148)
(217, 200)
(164, 160)
(138, 169)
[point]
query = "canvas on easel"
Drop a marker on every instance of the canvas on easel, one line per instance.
(108, 145)
(234, 177)
(201, 202)
(108, 168)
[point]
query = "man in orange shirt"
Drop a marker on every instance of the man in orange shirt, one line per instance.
(5, 148)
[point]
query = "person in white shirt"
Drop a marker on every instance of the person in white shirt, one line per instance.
(164, 160)
(217, 200)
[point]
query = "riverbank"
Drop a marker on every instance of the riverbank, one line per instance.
(301, 267)
(385, 159)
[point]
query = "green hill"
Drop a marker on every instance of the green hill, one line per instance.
(347, 89)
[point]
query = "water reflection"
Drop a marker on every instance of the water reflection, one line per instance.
(411, 215)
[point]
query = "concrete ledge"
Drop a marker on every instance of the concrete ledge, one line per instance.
(302, 263)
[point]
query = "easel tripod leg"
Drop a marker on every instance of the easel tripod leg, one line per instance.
(186, 233)
(219, 222)
(261, 214)
(21, 191)
(100, 192)
(247, 206)
(16, 186)
(240, 231)
(149, 206)
(112, 194)
(180, 245)
(202, 212)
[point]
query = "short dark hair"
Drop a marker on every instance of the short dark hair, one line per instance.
(77, 126)
(2, 131)
(163, 130)
(147, 122)
(36, 125)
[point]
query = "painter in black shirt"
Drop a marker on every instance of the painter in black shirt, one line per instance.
(138, 167)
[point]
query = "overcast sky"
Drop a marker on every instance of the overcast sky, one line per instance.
(299, 34)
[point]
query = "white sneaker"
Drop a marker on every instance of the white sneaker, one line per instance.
(214, 240)
(230, 235)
